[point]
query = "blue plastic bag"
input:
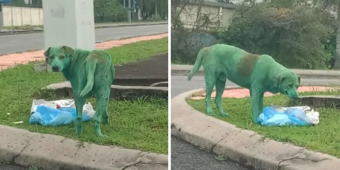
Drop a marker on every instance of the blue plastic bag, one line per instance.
(291, 116)
(47, 116)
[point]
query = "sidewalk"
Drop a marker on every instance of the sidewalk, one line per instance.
(21, 147)
(242, 92)
(10, 60)
(183, 70)
(33, 29)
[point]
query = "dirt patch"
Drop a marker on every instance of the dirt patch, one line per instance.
(154, 68)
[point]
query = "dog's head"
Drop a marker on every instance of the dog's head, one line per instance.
(58, 57)
(289, 82)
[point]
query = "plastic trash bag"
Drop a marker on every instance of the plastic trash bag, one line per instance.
(284, 116)
(56, 113)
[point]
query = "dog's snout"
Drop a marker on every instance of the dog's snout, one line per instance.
(55, 68)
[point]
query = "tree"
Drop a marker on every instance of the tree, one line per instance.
(109, 8)
(294, 34)
(153, 7)
(332, 6)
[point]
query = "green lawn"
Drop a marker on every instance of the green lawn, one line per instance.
(140, 124)
(323, 137)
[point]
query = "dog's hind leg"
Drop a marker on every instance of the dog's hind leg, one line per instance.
(220, 85)
(210, 80)
(102, 98)
(80, 101)
(105, 117)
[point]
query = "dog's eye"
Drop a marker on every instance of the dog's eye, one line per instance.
(52, 57)
(61, 57)
(290, 86)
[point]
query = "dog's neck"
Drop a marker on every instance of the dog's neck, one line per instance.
(75, 59)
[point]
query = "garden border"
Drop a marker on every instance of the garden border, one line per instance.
(244, 146)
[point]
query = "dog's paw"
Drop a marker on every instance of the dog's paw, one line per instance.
(102, 136)
(224, 114)
(211, 113)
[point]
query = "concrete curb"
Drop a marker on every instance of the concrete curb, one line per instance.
(244, 146)
(10, 32)
(117, 92)
(183, 70)
(21, 147)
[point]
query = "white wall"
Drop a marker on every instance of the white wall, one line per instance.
(22, 16)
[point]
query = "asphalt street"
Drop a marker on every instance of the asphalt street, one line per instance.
(188, 157)
(35, 41)
(4, 166)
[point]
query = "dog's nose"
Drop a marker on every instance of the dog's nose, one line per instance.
(55, 68)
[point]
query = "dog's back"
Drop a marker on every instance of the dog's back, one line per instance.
(235, 64)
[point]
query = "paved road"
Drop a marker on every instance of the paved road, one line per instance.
(34, 41)
(11, 167)
(188, 157)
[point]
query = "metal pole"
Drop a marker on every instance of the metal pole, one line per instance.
(129, 11)
(1, 16)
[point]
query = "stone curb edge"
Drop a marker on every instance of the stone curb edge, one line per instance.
(323, 74)
(244, 146)
(97, 27)
(24, 148)
(117, 91)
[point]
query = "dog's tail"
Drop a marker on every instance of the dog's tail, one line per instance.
(198, 63)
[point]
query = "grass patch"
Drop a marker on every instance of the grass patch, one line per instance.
(140, 124)
(323, 137)
(138, 51)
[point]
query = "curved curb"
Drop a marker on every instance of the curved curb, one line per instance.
(244, 146)
(21, 147)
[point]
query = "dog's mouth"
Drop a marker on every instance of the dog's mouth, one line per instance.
(286, 93)
(55, 69)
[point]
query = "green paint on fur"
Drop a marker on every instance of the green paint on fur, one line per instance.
(247, 64)
(89, 72)
(258, 73)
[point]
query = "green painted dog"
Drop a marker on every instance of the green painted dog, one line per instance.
(258, 73)
(89, 72)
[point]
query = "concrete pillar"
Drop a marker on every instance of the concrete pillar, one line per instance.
(70, 23)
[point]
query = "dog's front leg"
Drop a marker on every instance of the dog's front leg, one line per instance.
(256, 102)
(80, 101)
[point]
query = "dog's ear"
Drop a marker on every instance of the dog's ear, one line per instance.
(68, 50)
(280, 79)
(47, 52)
